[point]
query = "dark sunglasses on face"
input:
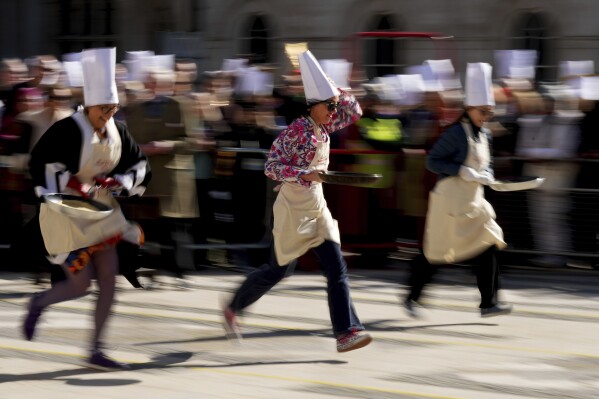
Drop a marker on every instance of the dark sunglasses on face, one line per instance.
(331, 105)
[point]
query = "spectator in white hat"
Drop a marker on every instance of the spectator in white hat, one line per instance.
(88, 154)
(460, 223)
(302, 220)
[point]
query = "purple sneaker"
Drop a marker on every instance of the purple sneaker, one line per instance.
(34, 312)
(100, 361)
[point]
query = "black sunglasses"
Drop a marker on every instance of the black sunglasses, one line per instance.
(331, 105)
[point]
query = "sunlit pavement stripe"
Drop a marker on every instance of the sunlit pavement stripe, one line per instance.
(381, 338)
(488, 346)
(173, 315)
(518, 309)
(327, 383)
(67, 350)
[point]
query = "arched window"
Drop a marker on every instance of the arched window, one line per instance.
(530, 33)
(256, 40)
(86, 24)
(380, 53)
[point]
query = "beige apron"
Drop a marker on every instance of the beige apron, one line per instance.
(301, 217)
(63, 234)
(460, 223)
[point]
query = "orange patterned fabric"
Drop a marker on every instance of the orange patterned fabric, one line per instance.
(80, 258)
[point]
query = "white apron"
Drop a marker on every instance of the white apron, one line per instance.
(301, 217)
(460, 223)
(63, 234)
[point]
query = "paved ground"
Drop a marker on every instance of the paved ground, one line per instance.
(173, 337)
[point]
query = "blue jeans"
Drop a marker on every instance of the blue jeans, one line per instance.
(342, 312)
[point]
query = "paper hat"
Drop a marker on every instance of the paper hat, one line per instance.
(431, 83)
(317, 86)
(338, 70)
(253, 82)
(589, 88)
(234, 64)
(74, 72)
(516, 64)
(386, 88)
(479, 88)
(99, 86)
(163, 63)
(412, 87)
(138, 64)
(444, 73)
(136, 55)
(576, 68)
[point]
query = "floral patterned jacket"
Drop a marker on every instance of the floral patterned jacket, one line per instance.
(293, 150)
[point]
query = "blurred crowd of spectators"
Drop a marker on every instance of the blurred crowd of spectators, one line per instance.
(205, 134)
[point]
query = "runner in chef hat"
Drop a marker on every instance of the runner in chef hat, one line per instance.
(298, 165)
(94, 155)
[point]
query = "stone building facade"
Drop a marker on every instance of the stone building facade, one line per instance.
(210, 30)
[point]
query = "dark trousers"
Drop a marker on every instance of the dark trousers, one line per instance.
(342, 312)
(487, 276)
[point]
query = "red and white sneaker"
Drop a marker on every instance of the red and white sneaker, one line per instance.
(353, 340)
(232, 330)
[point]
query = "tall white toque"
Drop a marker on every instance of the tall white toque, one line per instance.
(479, 87)
(576, 68)
(444, 73)
(517, 64)
(317, 86)
(253, 82)
(589, 88)
(99, 85)
(74, 72)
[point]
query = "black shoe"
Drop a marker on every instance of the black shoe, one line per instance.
(99, 361)
(497, 310)
(34, 311)
(411, 308)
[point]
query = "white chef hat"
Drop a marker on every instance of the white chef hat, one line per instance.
(589, 88)
(444, 73)
(516, 63)
(386, 88)
(163, 62)
(338, 70)
(576, 68)
(99, 85)
(138, 64)
(140, 54)
(479, 87)
(431, 83)
(317, 86)
(252, 81)
(412, 87)
(74, 72)
(234, 64)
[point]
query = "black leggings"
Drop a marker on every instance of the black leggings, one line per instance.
(485, 267)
